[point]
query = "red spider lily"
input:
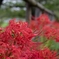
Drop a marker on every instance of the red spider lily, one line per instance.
(43, 19)
(7, 51)
(49, 32)
(33, 24)
(41, 54)
(55, 24)
(39, 23)
(16, 40)
(17, 33)
(48, 54)
(43, 26)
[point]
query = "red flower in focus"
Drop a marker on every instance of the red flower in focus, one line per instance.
(7, 51)
(16, 40)
(17, 33)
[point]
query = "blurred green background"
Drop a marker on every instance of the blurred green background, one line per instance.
(17, 9)
(11, 9)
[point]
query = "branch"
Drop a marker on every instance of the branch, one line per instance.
(36, 4)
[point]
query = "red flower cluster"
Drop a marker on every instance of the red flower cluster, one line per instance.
(15, 38)
(40, 22)
(41, 54)
(17, 33)
(51, 33)
(16, 42)
(45, 27)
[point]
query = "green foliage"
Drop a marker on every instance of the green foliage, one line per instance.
(8, 13)
(14, 13)
(49, 43)
(4, 24)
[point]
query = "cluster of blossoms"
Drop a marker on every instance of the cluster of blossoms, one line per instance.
(16, 40)
(45, 27)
